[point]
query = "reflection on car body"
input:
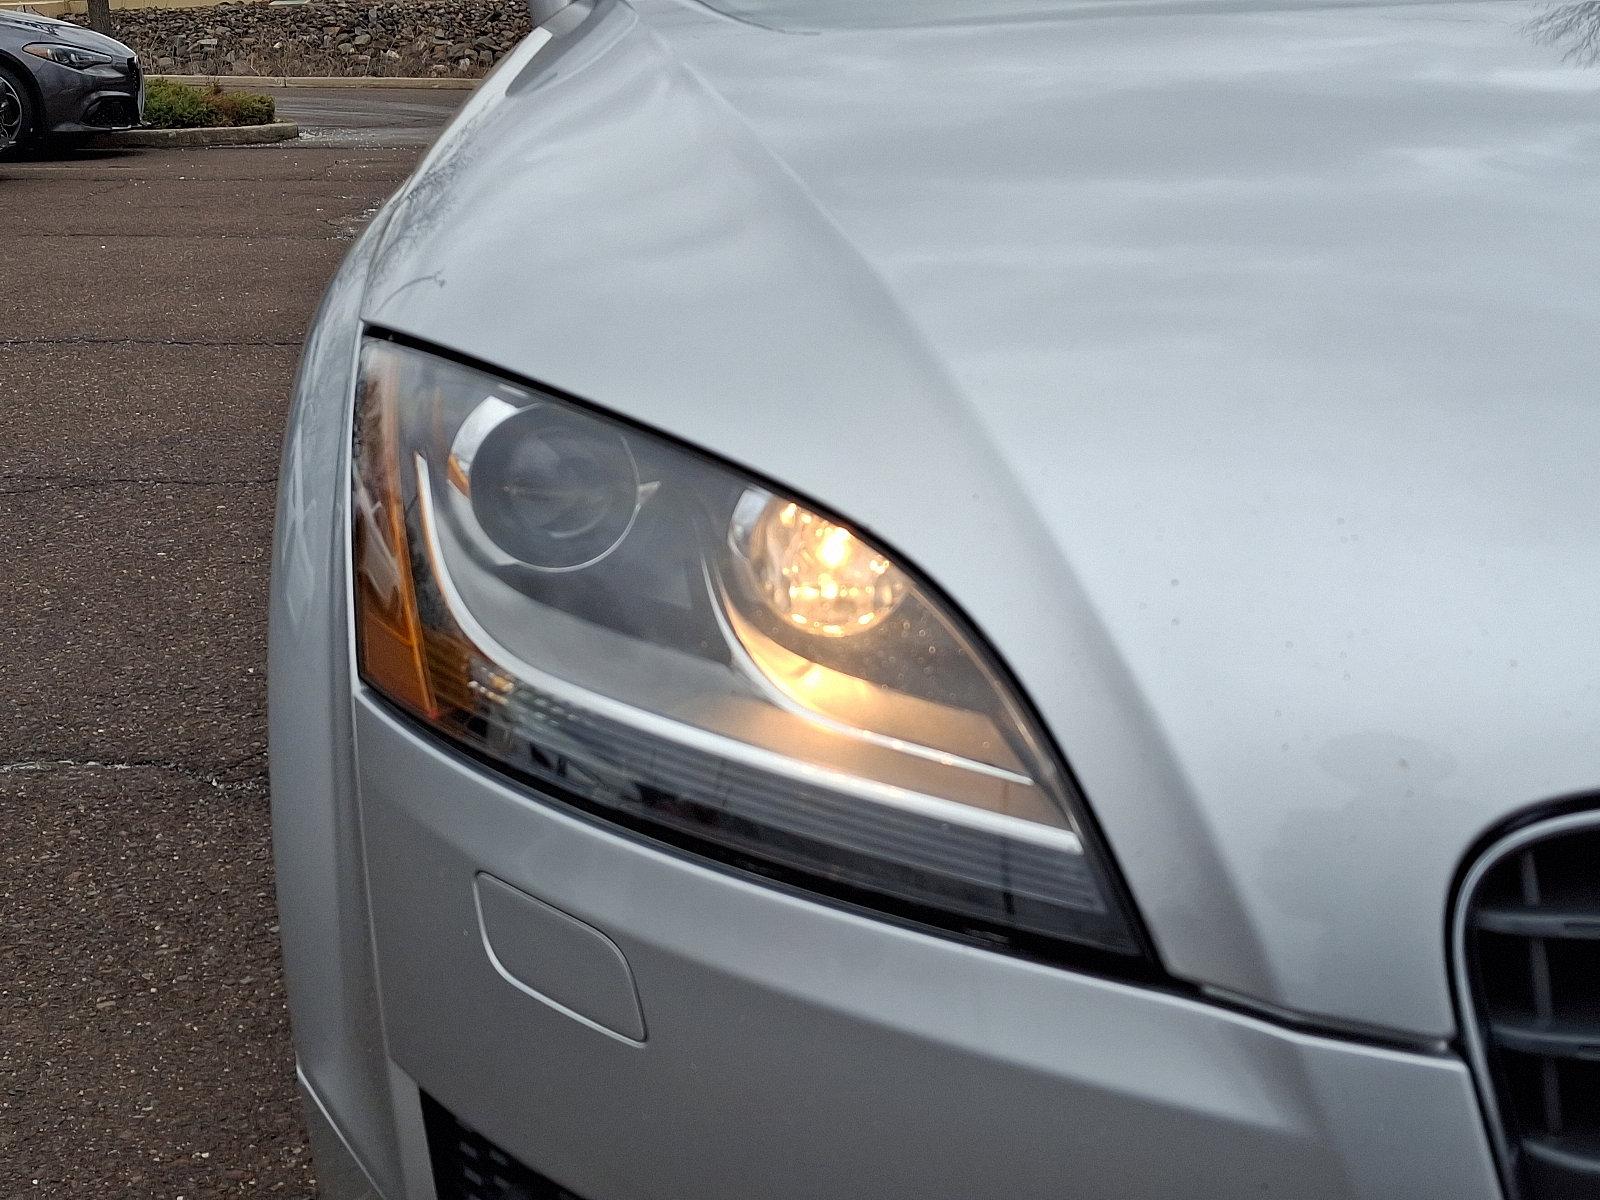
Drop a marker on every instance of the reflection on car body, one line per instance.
(955, 598)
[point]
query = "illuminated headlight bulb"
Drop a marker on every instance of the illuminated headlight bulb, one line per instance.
(816, 575)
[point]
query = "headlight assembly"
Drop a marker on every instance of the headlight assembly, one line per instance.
(75, 57)
(646, 634)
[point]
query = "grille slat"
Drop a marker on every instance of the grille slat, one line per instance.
(468, 1166)
(1545, 924)
(1531, 954)
(1547, 1039)
(1557, 1170)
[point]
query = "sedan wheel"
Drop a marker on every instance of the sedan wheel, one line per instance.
(15, 112)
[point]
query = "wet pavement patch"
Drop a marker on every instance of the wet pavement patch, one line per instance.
(144, 1047)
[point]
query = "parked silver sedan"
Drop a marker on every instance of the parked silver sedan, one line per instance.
(959, 598)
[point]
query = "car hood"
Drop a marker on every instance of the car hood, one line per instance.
(29, 27)
(1233, 366)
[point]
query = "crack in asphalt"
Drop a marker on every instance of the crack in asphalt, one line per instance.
(102, 235)
(40, 766)
(49, 483)
(87, 340)
(112, 185)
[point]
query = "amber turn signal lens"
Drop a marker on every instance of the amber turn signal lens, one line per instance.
(388, 633)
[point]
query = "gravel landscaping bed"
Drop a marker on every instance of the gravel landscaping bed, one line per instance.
(327, 37)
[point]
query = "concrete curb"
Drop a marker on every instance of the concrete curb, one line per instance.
(325, 81)
(238, 135)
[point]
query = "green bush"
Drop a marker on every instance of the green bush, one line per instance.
(170, 105)
(174, 106)
(241, 108)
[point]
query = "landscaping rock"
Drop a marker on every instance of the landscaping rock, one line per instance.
(323, 37)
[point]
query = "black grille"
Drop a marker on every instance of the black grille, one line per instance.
(1532, 959)
(468, 1166)
(112, 112)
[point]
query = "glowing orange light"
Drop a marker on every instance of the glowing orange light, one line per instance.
(818, 575)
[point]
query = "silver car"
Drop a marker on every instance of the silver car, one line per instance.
(952, 599)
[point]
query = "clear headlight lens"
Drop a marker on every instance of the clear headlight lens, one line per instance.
(75, 57)
(644, 633)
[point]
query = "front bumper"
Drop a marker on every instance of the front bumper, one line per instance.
(796, 1050)
(85, 102)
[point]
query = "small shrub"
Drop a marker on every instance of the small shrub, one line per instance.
(174, 106)
(169, 105)
(241, 108)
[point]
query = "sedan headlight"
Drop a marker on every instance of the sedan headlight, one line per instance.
(75, 57)
(654, 637)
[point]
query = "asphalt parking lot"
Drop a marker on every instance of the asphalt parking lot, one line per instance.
(154, 307)
(376, 118)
